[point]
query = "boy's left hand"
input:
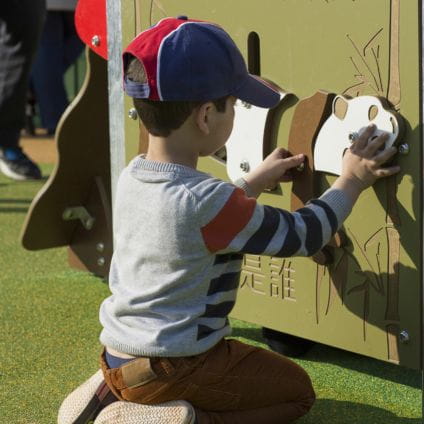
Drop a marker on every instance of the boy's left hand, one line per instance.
(274, 169)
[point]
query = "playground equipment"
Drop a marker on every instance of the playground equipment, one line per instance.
(339, 64)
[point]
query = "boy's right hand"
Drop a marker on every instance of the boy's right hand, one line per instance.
(275, 168)
(363, 162)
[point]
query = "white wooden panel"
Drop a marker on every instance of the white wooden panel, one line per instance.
(333, 137)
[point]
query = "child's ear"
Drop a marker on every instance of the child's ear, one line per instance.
(203, 117)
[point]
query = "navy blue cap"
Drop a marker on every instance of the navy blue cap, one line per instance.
(191, 60)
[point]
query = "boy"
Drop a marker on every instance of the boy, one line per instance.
(179, 239)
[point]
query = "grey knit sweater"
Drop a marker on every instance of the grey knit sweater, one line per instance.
(179, 239)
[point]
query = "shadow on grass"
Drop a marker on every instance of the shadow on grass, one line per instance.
(13, 210)
(43, 179)
(8, 205)
(247, 333)
(26, 201)
(327, 354)
(329, 411)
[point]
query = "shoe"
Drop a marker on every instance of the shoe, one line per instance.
(15, 164)
(121, 412)
(85, 402)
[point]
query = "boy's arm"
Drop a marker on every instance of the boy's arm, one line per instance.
(362, 166)
(245, 226)
(242, 225)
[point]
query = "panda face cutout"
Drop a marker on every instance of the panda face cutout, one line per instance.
(246, 144)
(349, 117)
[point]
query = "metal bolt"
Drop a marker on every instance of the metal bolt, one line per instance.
(132, 113)
(300, 167)
(244, 166)
(88, 223)
(403, 149)
(353, 136)
(95, 41)
(67, 214)
(404, 337)
(101, 261)
(100, 247)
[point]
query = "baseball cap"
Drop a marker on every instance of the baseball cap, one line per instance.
(192, 60)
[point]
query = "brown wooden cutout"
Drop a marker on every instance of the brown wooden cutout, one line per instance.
(83, 158)
(308, 118)
(91, 250)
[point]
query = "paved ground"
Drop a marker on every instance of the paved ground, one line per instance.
(40, 148)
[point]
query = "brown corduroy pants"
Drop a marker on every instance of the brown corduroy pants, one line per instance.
(232, 383)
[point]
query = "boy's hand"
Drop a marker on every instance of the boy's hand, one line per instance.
(274, 169)
(363, 163)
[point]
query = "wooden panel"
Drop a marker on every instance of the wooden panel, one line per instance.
(83, 163)
(372, 290)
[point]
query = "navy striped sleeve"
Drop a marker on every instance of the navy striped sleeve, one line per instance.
(291, 243)
(313, 236)
(331, 216)
(260, 240)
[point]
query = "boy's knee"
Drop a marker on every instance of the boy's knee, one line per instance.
(309, 400)
(304, 403)
(307, 396)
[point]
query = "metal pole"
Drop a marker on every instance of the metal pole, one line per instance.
(421, 20)
(116, 95)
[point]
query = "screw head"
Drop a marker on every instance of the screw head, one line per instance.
(404, 337)
(403, 149)
(95, 41)
(300, 167)
(244, 166)
(353, 136)
(132, 113)
(101, 261)
(100, 247)
(88, 223)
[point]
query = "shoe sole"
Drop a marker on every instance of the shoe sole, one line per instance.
(121, 412)
(85, 402)
(102, 398)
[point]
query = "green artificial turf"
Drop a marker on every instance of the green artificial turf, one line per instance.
(49, 340)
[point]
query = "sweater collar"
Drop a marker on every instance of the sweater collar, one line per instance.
(142, 164)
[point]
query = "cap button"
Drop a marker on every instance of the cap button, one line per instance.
(182, 17)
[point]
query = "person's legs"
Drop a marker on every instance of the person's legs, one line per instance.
(73, 46)
(88, 401)
(232, 383)
(264, 386)
(47, 72)
(20, 25)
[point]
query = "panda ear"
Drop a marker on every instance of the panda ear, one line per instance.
(372, 112)
(340, 106)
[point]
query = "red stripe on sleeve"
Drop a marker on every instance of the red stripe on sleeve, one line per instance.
(229, 221)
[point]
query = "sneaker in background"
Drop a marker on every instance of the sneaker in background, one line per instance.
(15, 164)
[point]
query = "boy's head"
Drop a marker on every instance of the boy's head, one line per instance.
(178, 64)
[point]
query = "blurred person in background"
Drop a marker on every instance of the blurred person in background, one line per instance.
(59, 48)
(21, 23)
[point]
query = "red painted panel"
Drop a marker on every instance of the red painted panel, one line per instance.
(90, 21)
